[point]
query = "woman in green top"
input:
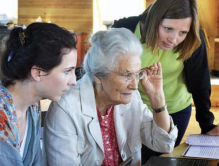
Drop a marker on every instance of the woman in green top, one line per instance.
(169, 33)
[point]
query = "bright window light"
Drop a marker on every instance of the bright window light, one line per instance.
(9, 7)
(116, 9)
(106, 11)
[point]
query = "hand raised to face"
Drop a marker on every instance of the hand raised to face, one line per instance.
(152, 83)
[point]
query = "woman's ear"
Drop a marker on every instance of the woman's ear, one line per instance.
(36, 73)
(97, 80)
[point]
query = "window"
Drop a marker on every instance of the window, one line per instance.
(109, 10)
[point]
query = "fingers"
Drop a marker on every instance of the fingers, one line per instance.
(154, 69)
(159, 68)
(145, 80)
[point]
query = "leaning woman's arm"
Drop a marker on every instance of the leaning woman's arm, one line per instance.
(59, 137)
(199, 85)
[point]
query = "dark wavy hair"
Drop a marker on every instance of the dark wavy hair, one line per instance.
(40, 44)
(171, 9)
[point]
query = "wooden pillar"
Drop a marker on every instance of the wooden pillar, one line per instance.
(208, 13)
(216, 59)
(215, 96)
(211, 53)
(79, 48)
(148, 2)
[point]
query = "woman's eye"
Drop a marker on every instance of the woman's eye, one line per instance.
(67, 72)
(168, 29)
(129, 75)
(184, 33)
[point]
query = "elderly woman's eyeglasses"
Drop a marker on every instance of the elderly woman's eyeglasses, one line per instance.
(129, 76)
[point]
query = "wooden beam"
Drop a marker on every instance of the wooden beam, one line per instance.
(216, 59)
(215, 96)
(74, 15)
(148, 2)
(211, 53)
(208, 10)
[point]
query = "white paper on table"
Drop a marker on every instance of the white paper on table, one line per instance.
(210, 152)
(203, 140)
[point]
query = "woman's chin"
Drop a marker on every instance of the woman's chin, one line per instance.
(126, 101)
(56, 98)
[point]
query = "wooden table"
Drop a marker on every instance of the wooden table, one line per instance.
(178, 151)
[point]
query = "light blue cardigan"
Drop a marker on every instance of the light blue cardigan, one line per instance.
(9, 136)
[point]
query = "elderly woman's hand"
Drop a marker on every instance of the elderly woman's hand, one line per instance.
(152, 85)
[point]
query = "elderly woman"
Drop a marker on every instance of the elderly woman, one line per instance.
(103, 121)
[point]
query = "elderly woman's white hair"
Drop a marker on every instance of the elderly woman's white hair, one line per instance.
(107, 48)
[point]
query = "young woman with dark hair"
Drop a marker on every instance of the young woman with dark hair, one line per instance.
(39, 62)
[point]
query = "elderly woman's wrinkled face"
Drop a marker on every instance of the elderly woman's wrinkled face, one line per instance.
(117, 86)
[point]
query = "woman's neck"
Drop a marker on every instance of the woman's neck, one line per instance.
(101, 101)
(23, 95)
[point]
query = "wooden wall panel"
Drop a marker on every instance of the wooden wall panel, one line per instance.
(82, 47)
(216, 59)
(74, 15)
(217, 44)
(215, 96)
(211, 53)
(208, 15)
(148, 2)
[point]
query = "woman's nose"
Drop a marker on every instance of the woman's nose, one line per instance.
(72, 81)
(134, 84)
(173, 38)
